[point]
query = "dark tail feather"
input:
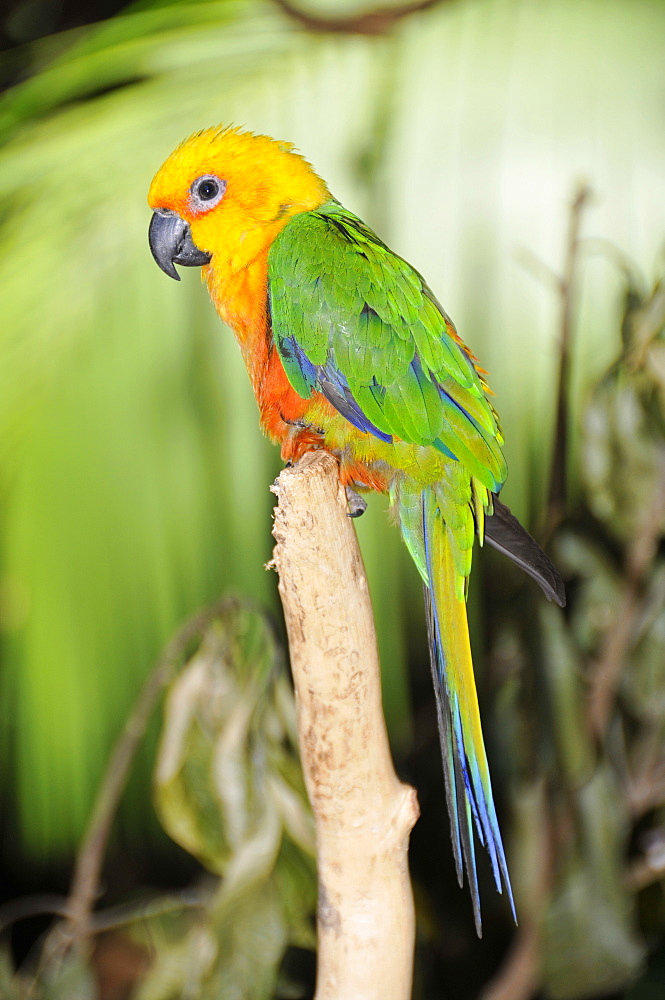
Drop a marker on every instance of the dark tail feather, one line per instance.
(505, 533)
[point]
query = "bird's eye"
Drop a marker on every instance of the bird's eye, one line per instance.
(206, 192)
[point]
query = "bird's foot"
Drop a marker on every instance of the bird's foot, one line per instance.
(357, 506)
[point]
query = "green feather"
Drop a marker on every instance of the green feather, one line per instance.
(370, 400)
(362, 311)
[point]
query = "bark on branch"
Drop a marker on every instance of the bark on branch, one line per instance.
(363, 814)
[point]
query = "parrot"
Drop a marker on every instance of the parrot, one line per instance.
(348, 350)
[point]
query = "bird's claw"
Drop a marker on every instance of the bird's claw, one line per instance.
(357, 506)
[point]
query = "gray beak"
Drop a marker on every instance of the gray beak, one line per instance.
(171, 243)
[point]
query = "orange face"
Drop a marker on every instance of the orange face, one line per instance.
(229, 193)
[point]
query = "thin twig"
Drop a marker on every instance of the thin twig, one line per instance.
(520, 977)
(376, 21)
(103, 920)
(568, 291)
(37, 905)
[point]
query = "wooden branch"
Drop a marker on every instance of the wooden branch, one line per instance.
(363, 814)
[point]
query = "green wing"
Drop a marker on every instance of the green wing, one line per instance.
(357, 323)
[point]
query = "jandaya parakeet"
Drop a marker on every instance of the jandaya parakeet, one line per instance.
(348, 350)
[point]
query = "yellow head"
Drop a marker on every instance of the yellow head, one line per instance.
(225, 194)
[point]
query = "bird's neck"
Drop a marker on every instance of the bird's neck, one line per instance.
(240, 296)
(241, 299)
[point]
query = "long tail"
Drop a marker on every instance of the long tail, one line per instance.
(468, 786)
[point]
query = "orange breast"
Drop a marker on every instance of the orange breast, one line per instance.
(298, 425)
(241, 299)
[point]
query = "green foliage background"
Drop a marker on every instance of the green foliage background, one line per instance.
(133, 477)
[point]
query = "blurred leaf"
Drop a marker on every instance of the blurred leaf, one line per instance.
(598, 583)
(69, 979)
(229, 789)
(623, 455)
(644, 683)
(135, 45)
(9, 987)
(227, 777)
(624, 443)
(252, 938)
(530, 866)
(182, 965)
(590, 945)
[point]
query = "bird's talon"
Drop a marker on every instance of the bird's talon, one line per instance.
(357, 506)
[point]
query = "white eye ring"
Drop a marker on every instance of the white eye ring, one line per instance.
(206, 192)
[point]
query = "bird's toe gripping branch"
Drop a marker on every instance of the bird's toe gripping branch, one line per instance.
(357, 505)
